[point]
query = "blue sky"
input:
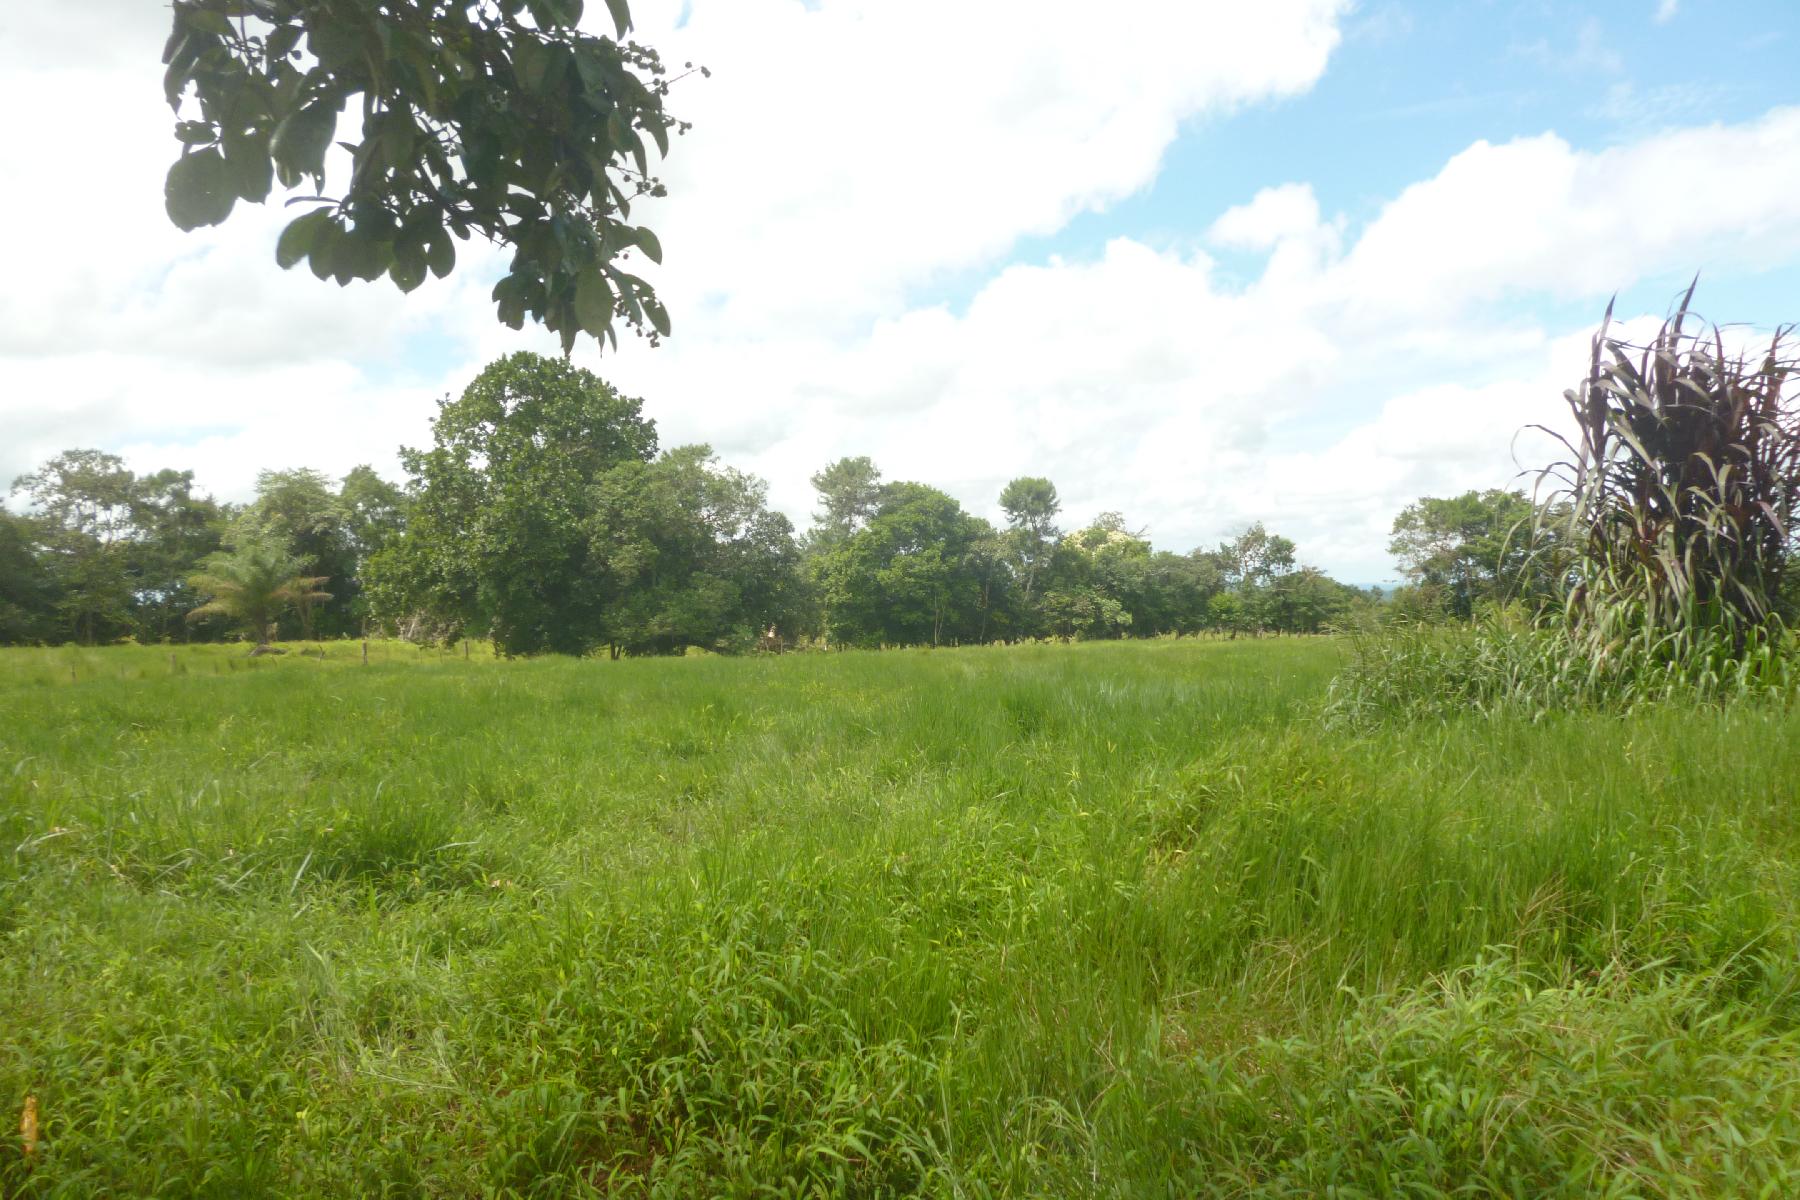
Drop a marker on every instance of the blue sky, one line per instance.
(1412, 84)
(1298, 261)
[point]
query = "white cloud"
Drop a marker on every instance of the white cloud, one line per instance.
(843, 154)
(1666, 10)
(1339, 386)
(1537, 215)
(1272, 216)
(847, 155)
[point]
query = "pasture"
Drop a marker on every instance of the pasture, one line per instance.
(1111, 919)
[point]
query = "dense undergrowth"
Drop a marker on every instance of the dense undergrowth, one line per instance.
(1658, 566)
(1110, 919)
(1504, 663)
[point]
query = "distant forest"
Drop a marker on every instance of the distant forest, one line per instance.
(544, 516)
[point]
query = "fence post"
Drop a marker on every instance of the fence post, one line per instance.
(365, 652)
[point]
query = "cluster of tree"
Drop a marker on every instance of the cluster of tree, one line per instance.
(1463, 553)
(904, 564)
(544, 516)
(101, 553)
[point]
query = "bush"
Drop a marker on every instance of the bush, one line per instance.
(1668, 534)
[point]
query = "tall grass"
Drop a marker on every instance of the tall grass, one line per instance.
(1667, 532)
(1681, 494)
(1109, 919)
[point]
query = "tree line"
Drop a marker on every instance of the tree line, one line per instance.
(545, 516)
(100, 554)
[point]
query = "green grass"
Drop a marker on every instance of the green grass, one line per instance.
(1111, 920)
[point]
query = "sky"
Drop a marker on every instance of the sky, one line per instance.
(1202, 263)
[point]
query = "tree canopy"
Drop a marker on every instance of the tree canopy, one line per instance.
(1467, 549)
(689, 554)
(498, 537)
(545, 516)
(500, 119)
(253, 585)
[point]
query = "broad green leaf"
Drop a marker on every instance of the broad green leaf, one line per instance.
(593, 302)
(321, 253)
(247, 154)
(297, 239)
(198, 190)
(337, 44)
(303, 136)
(556, 12)
(621, 14)
(647, 241)
(407, 274)
(364, 256)
(282, 41)
(531, 63)
(440, 253)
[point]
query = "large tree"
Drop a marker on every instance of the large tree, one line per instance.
(83, 501)
(1031, 505)
(493, 118)
(28, 592)
(689, 554)
(1307, 601)
(174, 528)
(849, 493)
(374, 510)
(1466, 549)
(302, 511)
(912, 577)
(499, 536)
(1172, 593)
(1096, 580)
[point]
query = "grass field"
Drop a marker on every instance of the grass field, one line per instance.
(1109, 920)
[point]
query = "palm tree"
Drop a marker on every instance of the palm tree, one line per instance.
(253, 585)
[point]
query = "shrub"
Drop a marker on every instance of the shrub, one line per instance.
(1667, 533)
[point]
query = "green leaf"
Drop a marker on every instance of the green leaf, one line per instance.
(647, 241)
(298, 238)
(282, 41)
(593, 302)
(322, 253)
(407, 273)
(621, 14)
(338, 44)
(659, 316)
(205, 20)
(364, 256)
(247, 154)
(510, 302)
(303, 136)
(531, 63)
(440, 253)
(556, 12)
(199, 190)
(180, 55)
(408, 270)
